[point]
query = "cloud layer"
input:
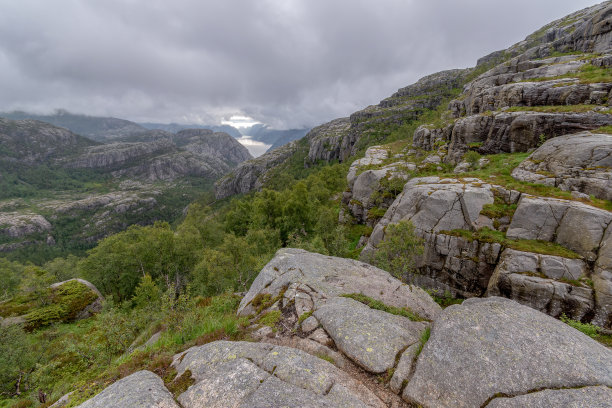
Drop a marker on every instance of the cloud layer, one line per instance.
(287, 63)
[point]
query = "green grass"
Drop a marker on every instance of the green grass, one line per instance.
(304, 316)
(603, 129)
(445, 299)
(588, 74)
(498, 171)
(527, 245)
(270, 318)
(378, 305)
(589, 329)
(557, 109)
(424, 339)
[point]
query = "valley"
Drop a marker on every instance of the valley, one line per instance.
(450, 246)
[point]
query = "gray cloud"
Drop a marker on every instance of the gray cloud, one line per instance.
(287, 63)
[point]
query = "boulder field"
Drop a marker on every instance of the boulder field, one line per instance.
(370, 340)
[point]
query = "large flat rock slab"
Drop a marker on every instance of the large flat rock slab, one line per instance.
(311, 279)
(486, 347)
(142, 389)
(241, 373)
(372, 338)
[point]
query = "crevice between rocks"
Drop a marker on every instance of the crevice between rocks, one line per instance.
(532, 391)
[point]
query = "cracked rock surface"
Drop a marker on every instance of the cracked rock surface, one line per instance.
(494, 345)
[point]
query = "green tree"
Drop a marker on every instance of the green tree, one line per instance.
(17, 360)
(398, 251)
(10, 276)
(117, 264)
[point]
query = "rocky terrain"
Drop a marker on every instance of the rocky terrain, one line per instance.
(347, 334)
(53, 179)
(251, 175)
(468, 186)
(536, 114)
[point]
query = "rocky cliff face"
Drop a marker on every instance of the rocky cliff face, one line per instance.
(340, 138)
(468, 186)
(251, 175)
(193, 152)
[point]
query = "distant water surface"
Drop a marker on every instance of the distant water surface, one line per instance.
(254, 147)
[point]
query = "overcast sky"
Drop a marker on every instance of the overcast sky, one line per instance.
(287, 63)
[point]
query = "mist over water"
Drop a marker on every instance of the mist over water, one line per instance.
(254, 147)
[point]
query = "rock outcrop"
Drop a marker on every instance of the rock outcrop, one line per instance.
(191, 152)
(484, 352)
(581, 162)
(340, 138)
(449, 215)
(251, 175)
(142, 389)
(487, 348)
(243, 374)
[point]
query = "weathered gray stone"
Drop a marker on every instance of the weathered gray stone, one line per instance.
(325, 277)
(602, 282)
(580, 162)
(224, 385)
(251, 174)
(273, 393)
(372, 338)
(511, 132)
(310, 324)
(495, 345)
(404, 368)
(433, 204)
(301, 373)
(592, 397)
(142, 389)
(530, 279)
(200, 359)
(556, 220)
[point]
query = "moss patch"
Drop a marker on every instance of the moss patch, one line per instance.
(378, 305)
(270, 318)
(526, 245)
(590, 330)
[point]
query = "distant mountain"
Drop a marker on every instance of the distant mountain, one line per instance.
(101, 129)
(176, 127)
(262, 133)
(61, 192)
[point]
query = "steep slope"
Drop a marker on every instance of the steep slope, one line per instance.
(487, 228)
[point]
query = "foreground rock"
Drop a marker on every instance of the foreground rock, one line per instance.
(594, 397)
(243, 374)
(142, 389)
(371, 338)
(312, 279)
(580, 162)
(487, 347)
